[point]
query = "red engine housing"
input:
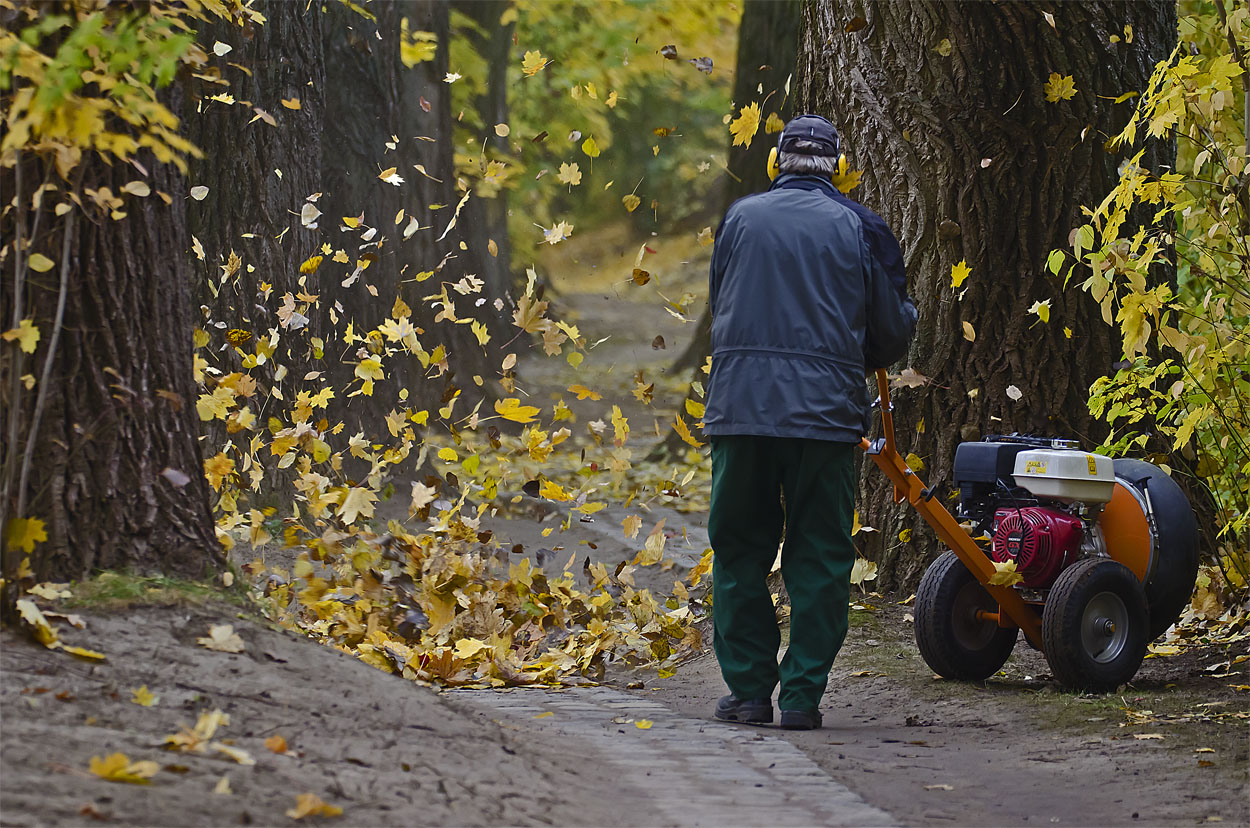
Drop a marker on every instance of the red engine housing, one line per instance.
(1041, 541)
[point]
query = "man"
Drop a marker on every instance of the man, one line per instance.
(807, 295)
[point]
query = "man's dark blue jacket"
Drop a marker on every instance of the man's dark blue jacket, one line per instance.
(807, 296)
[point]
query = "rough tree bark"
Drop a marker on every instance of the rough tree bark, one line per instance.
(257, 175)
(117, 474)
(942, 104)
(486, 219)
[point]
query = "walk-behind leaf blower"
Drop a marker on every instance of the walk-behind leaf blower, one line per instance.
(1103, 555)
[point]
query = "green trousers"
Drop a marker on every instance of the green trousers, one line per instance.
(749, 476)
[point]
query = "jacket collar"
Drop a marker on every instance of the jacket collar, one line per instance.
(796, 181)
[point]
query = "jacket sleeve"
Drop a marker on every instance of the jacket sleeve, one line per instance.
(891, 315)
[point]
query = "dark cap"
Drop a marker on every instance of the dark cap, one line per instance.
(808, 130)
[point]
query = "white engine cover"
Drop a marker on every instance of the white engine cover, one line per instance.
(1065, 475)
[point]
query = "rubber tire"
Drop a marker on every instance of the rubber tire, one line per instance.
(939, 644)
(1171, 584)
(1070, 663)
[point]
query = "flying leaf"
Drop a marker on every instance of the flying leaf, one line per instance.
(959, 272)
(683, 431)
(1014, 393)
(511, 409)
(705, 237)
(584, 393)
(222, 638)
(653, 549)
(569, 174)
(631, 202)
(970, 333)
(643, 724)
(24, 533)
(631, 525)
(1005, 574)
(1042, 309)
(744, 127)
(557, 233)
(276, 743)
(533, 63)
(590, 147)
(914, 462)
(863, 570)
(944, 47)
(358, 501)
(26, 334)
(1059, 87)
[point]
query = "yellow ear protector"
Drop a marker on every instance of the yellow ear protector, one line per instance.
(774, 171)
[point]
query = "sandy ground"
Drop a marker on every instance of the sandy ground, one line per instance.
(387, 751)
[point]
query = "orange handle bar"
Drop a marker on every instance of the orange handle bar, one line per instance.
(908, 486)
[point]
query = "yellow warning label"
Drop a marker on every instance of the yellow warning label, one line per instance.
(1035, 467)
(1093, 466)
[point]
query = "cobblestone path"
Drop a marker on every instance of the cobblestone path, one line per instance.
(691, 771)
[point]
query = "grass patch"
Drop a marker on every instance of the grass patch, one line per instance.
(120, 590)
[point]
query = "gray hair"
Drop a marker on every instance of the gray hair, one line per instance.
(795, 162)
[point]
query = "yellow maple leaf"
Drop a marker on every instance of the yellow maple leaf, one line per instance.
(744, 127)
(24, 533)
(1059, 87)
(550, 490)
(1005, 574)
(570, 174)
(117, 767)
(533, 63)
(511, 409)
(584, 393)
(620, 426)
(369, 369)
(631, 525)
(26, 333)
(959, 272)
(358, 501)
(217, 467)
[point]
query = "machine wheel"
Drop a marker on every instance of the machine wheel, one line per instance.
(1094, 625)
(951, 639)
(1171, 583)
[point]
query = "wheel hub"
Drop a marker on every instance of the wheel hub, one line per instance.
(1104, 627)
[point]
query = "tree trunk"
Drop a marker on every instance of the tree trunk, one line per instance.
(768, 40)
(942, 104)
(372, 100)
(486, 219)
(258, 175)
(117, 474)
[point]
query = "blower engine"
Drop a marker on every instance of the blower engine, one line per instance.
(1038, 500)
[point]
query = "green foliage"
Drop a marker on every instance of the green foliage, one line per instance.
(1185, 386)
(89, 83)
(656, 120)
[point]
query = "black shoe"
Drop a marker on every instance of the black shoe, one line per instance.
(800, 719)
(747, 711)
